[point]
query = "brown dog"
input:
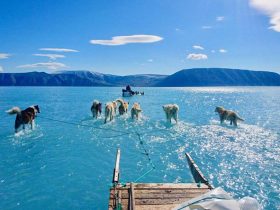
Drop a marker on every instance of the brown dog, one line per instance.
(171, 111)
(227, 115)
(110, 111)
(135, 111)
(123, 106)
(26, 116)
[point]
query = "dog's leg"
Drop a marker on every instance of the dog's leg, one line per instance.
(176, 119)
(105, 117)
(235, 122)
(221, 119)
(18, 123)
(16, 128)
(32, 124)
(95, 112)
(169, 117)
(112, 115)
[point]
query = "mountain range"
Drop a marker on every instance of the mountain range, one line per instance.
(185, 77)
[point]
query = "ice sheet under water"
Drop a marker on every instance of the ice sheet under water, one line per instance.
(66, 166)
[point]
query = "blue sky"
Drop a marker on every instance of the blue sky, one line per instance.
(140, 36)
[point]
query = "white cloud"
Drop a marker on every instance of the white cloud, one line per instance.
(150, 60)
(1, 69)
(222, 51)
(50, 56)
(197, 47)
(58, 50)
(220, 18)
(121, 40)
(4, 55)
(194, 56)
(206, 27)
(48, 65)
(270, 8)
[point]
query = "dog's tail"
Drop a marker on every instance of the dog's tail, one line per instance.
(14, 110)
(120, 101)
(239, 118)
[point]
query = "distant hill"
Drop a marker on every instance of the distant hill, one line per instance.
(187, 77)
(77, 78)
(220, 77)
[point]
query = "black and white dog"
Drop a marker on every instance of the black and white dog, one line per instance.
(23, 117)
(96, 108)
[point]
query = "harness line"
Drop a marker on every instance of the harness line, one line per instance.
(123, 133)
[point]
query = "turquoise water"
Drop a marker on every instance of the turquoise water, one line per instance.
(66, 166)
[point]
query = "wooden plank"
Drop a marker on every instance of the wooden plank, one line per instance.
(157, 207)
(160, 186)
(157, 198)
(164, 192)
(120, 196)
(131, 197)
(116, 174)
(151, 201)
(162, 196)
(160, 201)
(197, 174)
(171, 191)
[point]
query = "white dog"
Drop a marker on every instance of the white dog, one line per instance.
(135, 111)
(171, 111)
(110, 111)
